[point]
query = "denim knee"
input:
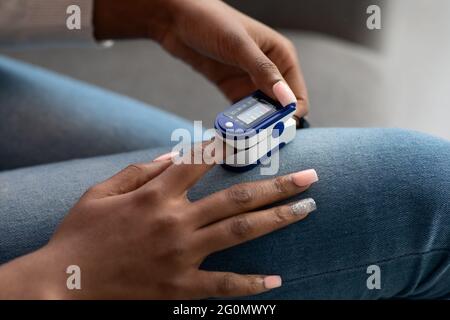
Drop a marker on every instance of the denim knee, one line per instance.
(427, 159)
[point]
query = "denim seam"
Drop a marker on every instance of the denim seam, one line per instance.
(363, 265)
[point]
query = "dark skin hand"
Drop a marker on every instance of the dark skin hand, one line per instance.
(137, 236)
(234, 51)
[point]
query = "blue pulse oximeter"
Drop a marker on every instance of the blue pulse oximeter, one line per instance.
(252, 128)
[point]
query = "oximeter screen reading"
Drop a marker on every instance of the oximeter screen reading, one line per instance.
(255, 112)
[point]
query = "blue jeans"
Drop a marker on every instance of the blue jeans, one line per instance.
(383, 196)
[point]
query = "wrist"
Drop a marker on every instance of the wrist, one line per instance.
(118, 19)
(32, 277)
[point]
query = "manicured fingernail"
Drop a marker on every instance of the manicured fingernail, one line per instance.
(283, 93)
(303, 207)
(305, 178)
(166, 156)
(272, 282)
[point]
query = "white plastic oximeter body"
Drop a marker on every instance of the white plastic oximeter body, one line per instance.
(253, 129)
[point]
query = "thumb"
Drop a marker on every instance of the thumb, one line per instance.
(265, 74)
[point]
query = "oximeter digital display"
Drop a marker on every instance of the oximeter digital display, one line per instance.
(251, 115)
(254, 113)
(252, 128)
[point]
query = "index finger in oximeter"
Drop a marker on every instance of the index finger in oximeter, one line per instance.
(252, 128)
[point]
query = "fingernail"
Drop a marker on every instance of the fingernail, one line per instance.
(283, 93)
(304, 207)
(305, 178)
(272, 282)
(166, 156)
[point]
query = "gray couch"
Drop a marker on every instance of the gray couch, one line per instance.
(356, 77)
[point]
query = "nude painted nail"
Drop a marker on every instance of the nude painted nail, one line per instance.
(283, 93)
(304, 207)
(305, 178)
(166, 156)
(272, 282)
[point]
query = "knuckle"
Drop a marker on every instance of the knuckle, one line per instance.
(150, 193)
(264, 65)
(230, 43)
(281, 216)
(227, 284)
(303, 98)
(254, 285)
(134, 168)
(288, 48)
(240, 194)
(91, 191)
(121, 189)
(233, 40)
(168, 221)
(240, 227)
(289, 45)
(280, 185)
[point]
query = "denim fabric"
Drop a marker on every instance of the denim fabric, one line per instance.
(46, 118)
(383, 198)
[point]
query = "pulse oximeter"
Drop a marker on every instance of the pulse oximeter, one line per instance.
(252, 129)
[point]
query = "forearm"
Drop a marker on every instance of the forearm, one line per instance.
(117, 19)
(28, 22)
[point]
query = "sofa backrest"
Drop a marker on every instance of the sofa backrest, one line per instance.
(345, 19)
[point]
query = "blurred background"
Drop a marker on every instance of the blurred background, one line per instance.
(398, 76)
